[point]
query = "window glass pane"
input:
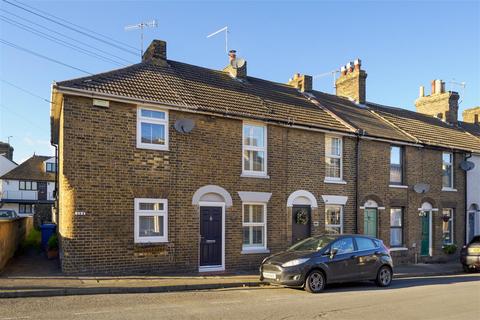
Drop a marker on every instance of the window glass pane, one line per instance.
(364, 244)
(447, 176)
(253, 135)
(396, 217)
(22, 185)
(396, 237)
(151, 226)
(153, 114)
(332, 215)
(343, 245)
(447, 226)
(150, 206)
(257, 213)
(257, 235)
(395, 155)
(34, 185)
(254, 160)
(332, 168)
(333, 146)
(28, 185)
(447, 157)
(153, 133)
(246, 235)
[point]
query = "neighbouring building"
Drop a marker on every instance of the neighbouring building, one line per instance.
(170, 167)
(6, 150)
(471, 124)
(28, 188)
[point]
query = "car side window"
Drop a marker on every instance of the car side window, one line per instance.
(344, 245)
(364, 244)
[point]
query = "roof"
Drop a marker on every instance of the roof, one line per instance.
(427, 129)
(201, 89)
(362, 118)
(30, 169)
(470, 127)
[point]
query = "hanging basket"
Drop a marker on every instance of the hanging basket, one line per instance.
(445, 218)
(301, 217)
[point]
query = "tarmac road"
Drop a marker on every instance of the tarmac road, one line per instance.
(443, 297)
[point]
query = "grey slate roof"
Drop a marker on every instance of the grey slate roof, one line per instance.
(210, 90)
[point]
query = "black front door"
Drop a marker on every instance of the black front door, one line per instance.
(42, 190)
(210, 236)
(301, 222)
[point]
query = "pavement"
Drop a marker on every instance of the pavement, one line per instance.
(32, 275)
(440, 297)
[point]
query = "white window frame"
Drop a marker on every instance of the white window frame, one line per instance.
(341, 217)
(452, 215)
(140, 120)
(255, 248)
(328, 155)
(250, 173)
(451, 187)
(401, 227)
(139, 213)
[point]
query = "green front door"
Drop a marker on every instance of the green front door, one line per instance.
(370, 222)
(425, 245)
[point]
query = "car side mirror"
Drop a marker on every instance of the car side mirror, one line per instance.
(333, 252)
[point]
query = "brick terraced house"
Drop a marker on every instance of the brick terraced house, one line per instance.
(170, 167)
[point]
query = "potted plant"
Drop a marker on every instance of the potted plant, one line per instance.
(449, 248)
(52, 247)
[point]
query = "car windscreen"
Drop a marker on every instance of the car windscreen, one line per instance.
(312, 244)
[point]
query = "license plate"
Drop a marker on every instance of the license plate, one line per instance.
(269, 275)
(474, 250)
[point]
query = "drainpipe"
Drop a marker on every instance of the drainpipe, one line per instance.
(55, 190)
(357, 172)
(467, 156)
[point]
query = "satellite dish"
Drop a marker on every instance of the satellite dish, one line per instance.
(237, 63)
(184, 125)
(421, 188)
(467, 165)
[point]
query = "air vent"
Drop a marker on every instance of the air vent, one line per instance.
(101, 103)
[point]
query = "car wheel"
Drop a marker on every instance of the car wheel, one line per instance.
(315, 282)
(384, 277)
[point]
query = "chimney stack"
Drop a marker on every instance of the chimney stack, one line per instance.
(156, 53)
(352, 82)
(301, 82)
(440, 103)
(7, 150)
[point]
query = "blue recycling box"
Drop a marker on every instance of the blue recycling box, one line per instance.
(48, 230)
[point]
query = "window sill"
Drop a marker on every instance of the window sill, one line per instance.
(259, 176)
(254, 251)
(398, 186)
(152, 147)
(334, 181)
(398, 249)
(449, 189)
(146, 243)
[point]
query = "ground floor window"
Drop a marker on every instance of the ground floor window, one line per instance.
(151, 220)
(447, 226)
(333, 219)
(396, 227)
(254, 226)
(25, 208)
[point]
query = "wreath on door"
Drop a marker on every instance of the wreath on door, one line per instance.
(302, 217)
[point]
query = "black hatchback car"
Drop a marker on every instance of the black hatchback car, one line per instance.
(316, 261)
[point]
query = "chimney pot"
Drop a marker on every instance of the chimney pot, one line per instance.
(422, 91)
(358, 64)
(438, 86)
(433, 87)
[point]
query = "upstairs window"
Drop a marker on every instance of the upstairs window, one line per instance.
(447, 168)
(28, 185)
(396, 165)
(333, 158)
(51, 167)
(151, 220)
(254, 149)
(152, 129)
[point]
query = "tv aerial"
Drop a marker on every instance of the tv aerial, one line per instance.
(332, 73)
(140, 26)
(224, 29)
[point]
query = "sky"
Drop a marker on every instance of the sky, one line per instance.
(402, 45)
